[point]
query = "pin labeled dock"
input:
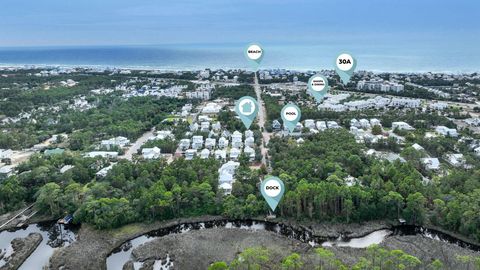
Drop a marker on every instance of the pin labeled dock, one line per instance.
(247, 109)
(345, 66)
(272, 189)
(318, 86)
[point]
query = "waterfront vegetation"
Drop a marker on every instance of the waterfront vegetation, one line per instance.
(375, 257)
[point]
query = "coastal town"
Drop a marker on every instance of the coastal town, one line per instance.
(87, 127)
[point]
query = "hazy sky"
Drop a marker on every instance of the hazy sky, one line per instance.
(124, 22)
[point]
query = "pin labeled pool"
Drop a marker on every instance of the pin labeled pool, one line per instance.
(272, 189)
(247, 109)
(318, 86)
(345, 65)
(290, 115)
(254, 54)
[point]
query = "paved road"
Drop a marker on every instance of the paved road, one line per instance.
(262, 114)
(137, 144)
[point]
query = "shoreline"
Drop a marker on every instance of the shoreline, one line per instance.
(98, 245)
(167, 69)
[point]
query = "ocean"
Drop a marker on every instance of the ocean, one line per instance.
(389, 56)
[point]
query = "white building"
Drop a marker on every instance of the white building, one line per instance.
(380, 85)
(117, 141)
(432, 164)
(249, 152)
(401, 126)
(332, 124)
(223, 143)
(197, 142)
(455, 160)
(234, 153)
(211, 108)
(220, 154)
(5, 154)
(321, 125)
(205, 126)
(204, 154)
(310, 123)
(184, 144)
(445, 131)
(104, 154)
(210, 143)
(249, 141)
(151, 153)
(226, 176)
(248, 133)
(237, 139)
(190, 154)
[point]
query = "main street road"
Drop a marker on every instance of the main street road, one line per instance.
(262, 113)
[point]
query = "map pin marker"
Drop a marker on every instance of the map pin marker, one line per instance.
(272, 189)
(290, 115)
(318, 86)
(254, 53)
(344, 66)
(247, 109)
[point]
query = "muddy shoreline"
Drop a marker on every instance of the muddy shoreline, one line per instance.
(22, 249)
(93, 246)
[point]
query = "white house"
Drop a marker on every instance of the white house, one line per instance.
(216, 126)
(194, 127)
(401, 126)
(204, 154)
(248, 133)
(375, 122)
(332, 124)
(310, 123)
(5, 153)
(431, 163)
(364, 123)
(250, 141)
(237, 139)
(117, 141)
(6, 171)
(445, 131)
(162, 135)
(321, 125)
(103, 172)
(455, 160)
(210, 143)
(234, 153)
(205, 126)
(222, 143)
(104, 154)
(211, 108)
(226, 187)
(197, 142)
(220, 154)
(190, 154)
(184, 144)
(151, 153)
(249, 152)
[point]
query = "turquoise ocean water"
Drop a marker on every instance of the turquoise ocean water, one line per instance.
(408, 56)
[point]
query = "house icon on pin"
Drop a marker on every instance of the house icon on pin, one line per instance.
(247, 107)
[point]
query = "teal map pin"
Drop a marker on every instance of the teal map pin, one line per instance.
(272, 189)
(247, 109)
(345, 66)
(290, 115)
(254, 54)
(318, 86)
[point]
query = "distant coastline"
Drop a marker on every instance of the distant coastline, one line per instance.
(230, 56)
